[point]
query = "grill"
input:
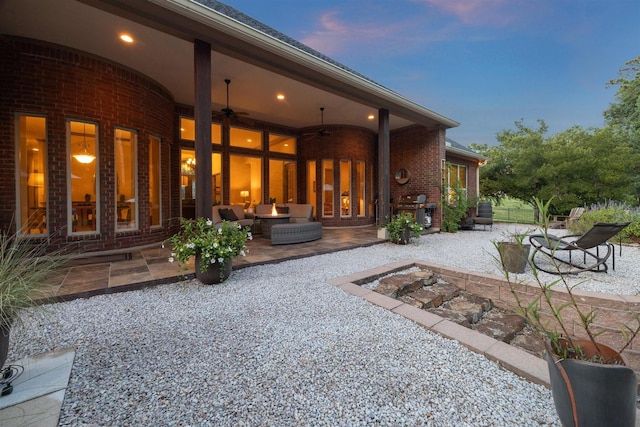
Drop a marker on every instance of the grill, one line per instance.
(415, 204)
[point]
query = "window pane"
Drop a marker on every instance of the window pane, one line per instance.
(311, 185)
(327, 188)
(245, 180)
(245, 138)
(345, 188)
(282, 144)
(127, 200)
(83, 212)
(188, 131)
(32, 195)
(154, 181)
(282, 181)
(188, 181)
(360, 188)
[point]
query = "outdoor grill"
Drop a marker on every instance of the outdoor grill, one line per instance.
(416, 205)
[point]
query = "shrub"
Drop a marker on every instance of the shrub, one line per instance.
(611, 211)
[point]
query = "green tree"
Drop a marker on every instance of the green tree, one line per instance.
(624, 114)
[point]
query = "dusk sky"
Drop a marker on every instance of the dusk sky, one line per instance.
(483, 63)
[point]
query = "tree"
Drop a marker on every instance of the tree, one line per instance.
(625, 113)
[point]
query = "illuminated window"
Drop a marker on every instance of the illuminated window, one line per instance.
(245, 176)
(126, 179)
(245, 138)
(188, 181)
(82, 140)
(154, 182)
(360, 196)
(188, 131)
(282, 144)
(32, 175)
(327, 188)
(345, 188)
(311, 185)
(282, 181)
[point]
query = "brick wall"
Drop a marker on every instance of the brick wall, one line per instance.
(60, 83)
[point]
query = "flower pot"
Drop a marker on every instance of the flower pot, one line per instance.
(592, 394)
(514, 256)
(4, 343)
(214, 274)
(404, 237)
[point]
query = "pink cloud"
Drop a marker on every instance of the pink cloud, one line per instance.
(487, 12)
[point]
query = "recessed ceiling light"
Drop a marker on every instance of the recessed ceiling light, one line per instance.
(371, 117)
(126, 38)
(280, 96)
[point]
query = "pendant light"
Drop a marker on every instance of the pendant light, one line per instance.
(84, 156)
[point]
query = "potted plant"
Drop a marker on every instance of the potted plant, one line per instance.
(26, 273)
(213, 247)
(402, 227)
(590, 383)
(514, 253)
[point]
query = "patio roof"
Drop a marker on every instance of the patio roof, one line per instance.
(259, 60)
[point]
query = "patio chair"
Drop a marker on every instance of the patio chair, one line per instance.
(560, 221)
(484, 216)
(553, 254)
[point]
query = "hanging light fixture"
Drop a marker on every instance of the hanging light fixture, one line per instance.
(84, 156)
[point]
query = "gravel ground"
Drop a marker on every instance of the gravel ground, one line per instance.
(275, 345)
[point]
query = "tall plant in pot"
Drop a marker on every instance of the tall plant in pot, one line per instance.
(590, 382)
(212, 246)
(514, 252)
(27, 273)
(403, 227)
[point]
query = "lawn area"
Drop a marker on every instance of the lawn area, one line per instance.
(513, 210)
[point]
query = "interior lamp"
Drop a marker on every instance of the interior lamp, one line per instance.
(36, 179)
(84, 156)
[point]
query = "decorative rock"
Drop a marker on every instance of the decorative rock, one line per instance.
(403, 283)
(469, 309)
(428, 297)
(501, 326)
(452, 315)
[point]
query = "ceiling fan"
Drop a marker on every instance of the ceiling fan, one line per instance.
(229, 113)
(322, 131)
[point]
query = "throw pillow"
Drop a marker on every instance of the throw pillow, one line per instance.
(282, 209)
(227, 214)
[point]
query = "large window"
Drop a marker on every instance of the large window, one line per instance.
(282, 144)
(282, 181)
(82, 140)
(188, 131)
(457, 180)
(154, 182)
(327, 188)
(32, 175)
(311, 185)
(245, 180)
(188, 181)
(245, 138)
(360, 196)
(345, 188)
(126, 178)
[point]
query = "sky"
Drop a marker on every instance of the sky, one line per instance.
(483, 63)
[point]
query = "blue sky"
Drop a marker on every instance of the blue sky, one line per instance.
(483, 63)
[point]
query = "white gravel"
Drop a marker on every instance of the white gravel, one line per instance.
(276, 345)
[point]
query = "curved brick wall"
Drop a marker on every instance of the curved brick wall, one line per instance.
(60, 83)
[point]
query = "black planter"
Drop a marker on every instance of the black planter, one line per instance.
(592, 394)
(214, 274)
(404, 237)
(514, 256)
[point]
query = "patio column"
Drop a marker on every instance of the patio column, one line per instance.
(384, 186)
(202, 116)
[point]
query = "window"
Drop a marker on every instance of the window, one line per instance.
(345, 188)
(282, 181)
(327, 188)
(32, 175)
(245, 138)
(154, 182)
(457, 181)
(83, 179)
(311, 185)
(360, 198)
(126, 176)
(188, 181)
(188, 131)
(245, 180)
(282, 144)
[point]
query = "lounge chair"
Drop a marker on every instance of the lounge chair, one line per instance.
(553, 254)
(560, 221)
(484, 216)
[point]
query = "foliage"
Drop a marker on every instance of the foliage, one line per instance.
(397, 225)
(214, 244)
(611, 212)
(454, 208)
(625, 113)
(579, 319)
(26, 273)
(576, 167)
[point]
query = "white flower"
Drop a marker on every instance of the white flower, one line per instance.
(171, 259)
(242, 253)
(220, 230)
(220, 260)
(209, 223)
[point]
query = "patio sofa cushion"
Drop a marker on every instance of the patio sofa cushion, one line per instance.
(300, 212)
(238, 210)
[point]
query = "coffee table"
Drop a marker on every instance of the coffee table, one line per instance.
(268, 220)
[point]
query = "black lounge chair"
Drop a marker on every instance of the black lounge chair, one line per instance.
(554, 254)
